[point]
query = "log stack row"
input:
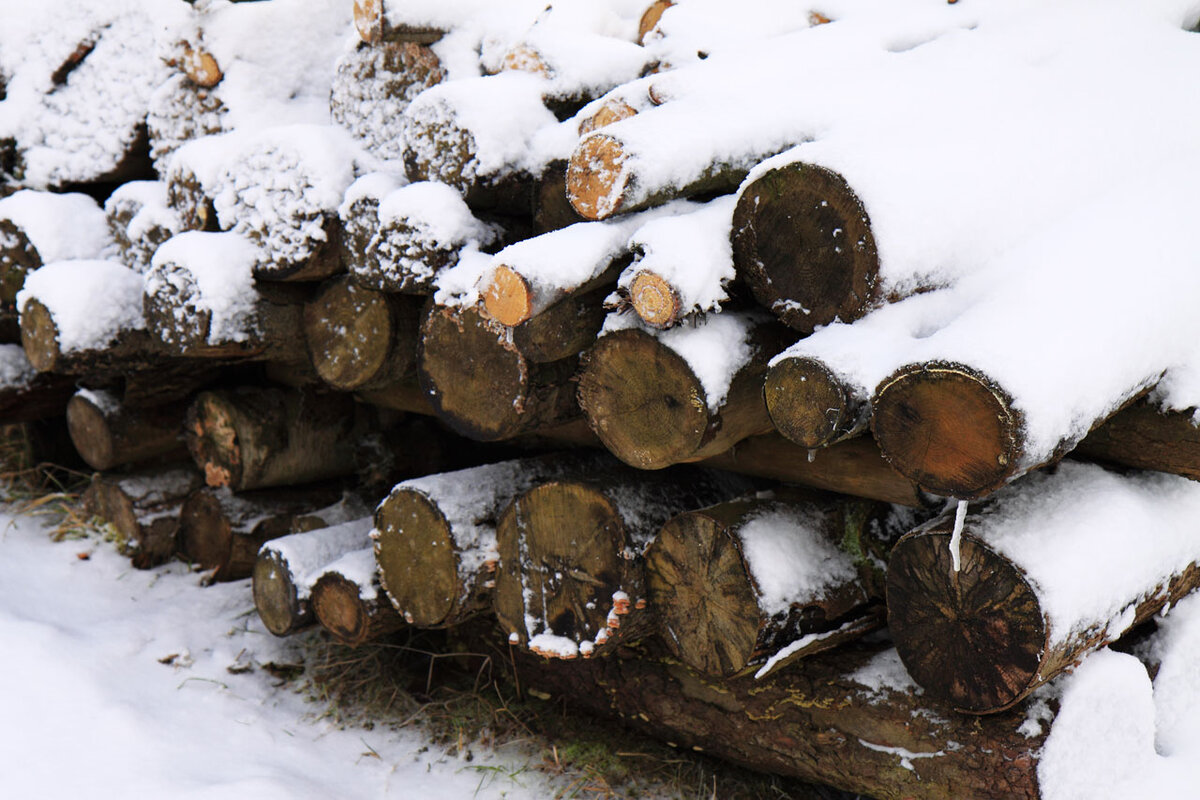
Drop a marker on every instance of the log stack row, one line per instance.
(391, 278)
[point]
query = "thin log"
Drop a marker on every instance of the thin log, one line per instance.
(766, 579)
(982, 622)
(144, 509)
(200, 65)
(349, 603)
(252, 437)
(108, 434)
(571, 580)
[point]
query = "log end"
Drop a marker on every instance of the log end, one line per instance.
(610, 111)
(807, 403)
(655, 300)
(596, 178)
(39, 336)
(338, 606)
(275, 596)
(974, 638)
(417, 558)
(351, 335)
(524, 58)
(213, 441)
(205, 535)
(201, 66)
(948, 428)
(368, 20)
(508, 297)
(90, 433)
(18, 257)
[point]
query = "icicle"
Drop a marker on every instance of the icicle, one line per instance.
(960, 518)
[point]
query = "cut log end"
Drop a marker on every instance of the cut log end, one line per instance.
(90, 433)
(950, 429)
(352, 337)
(206, 537)
(213, 440)
(808, 404)
(985, 619)
(418, 564)
(18, 257)
(339, 607)
(650, 18)
(201, 67)
(275, 596)
(368, 20)
(596, 178)
(610, 111)
(643, 400)
(802, 241)
(655, 300)
(39, 336)
(524, 58)
(508, 297)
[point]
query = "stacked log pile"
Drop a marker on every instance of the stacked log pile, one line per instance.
(326, 297)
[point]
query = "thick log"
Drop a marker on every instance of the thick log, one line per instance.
(650, 18)
(360, 339)
(140, 220)
(221, 533)
(1059, 565)
(766, 579)
(286, 569)
(482, 384)
(651, 408)
(144, 509)
(571, 580)
(375, 26)
(108, 434)
(349, 603)
(435, 537)
(250, 438)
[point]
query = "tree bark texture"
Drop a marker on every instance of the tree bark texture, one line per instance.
(144, 508)
(371, 22)
(109, 434)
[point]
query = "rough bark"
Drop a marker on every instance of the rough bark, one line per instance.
(810, 405)
(108, 434)
(130, 351)
(1144, 437)
(319, 256)
(144, 509)
(359, 339)
(802, 242)
(251, 437)
(572, 580)
(482, 384)
(179, 112)
(713, 614)
(352, 612)
(18, 257)
(371, 22)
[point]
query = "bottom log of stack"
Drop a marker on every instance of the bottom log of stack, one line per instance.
(349, 602)
(144, 509)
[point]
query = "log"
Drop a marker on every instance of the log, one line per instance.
(199, 65)
(373, 86)
(648, 404)
(286, 569)
(27, 395)
(811, 405)
(571, 581)
(181, 112)
(766, 579)
(108, 434)
(482, 384)
(349, 603)
(435, 537)
(143, 508)
(250, 438)
(140, 220)
(1059, 565)
(376, 26)
(1145, 437)
(221, 533)
(650, 18)
(551, 209)
(360, 339)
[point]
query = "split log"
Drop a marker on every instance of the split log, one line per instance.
(767, 579)
(250, 438)
(377, 21)
(654, 399)
(435, 537)
(26, 394)
(359, 339)
(286, 569)
(108, 434)
(349, 603)
(221, 533)
(201, 301)
(181, 112)
(1059, 565)
(373, 86)
(571, 581)
(481, 382)
(140, 220)
(144, 509)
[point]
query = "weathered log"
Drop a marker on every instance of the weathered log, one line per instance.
(571, 580)
(375, 25)
(349, 603)
(435, 537)
(252, 437)
(482, 384)
(359, 339)
(373, 86)
(180, 112)
(144, 509)
(774, 579)
(221, 533)
(359, 215)
(982, 620)
(1145, 437)
(108, 434)
(651, 408)
(286, 569)
(26, 394)
(551, 209)
(813, 406)
(140, 220)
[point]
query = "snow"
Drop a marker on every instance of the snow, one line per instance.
(308, 554)
(91, 302)
(212, 272)
(15, 370)
(59, 226)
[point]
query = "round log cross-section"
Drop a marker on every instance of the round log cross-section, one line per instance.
(809, 404)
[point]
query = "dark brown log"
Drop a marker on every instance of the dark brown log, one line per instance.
(650, 409)
(715, 580)
(252, 437)
(571, 580)
(1144, 437)
(483, 385)
(983, 636)
(180, 112)
(108, 434)
(350, 605)
(26, 394)
(40, 337)
(551, 209)
(810, 405)
(18, 257)
(221, 533)
(144, 510)
(802, 242)
(359, 339)
(371, 22)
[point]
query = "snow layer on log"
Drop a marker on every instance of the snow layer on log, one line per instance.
(15, 370)
(61, 227)
(309, 554)
(215, 273)
(358, 567)
(698, 29)
(91, 302)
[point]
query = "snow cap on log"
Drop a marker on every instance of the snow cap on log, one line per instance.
(140, 220)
